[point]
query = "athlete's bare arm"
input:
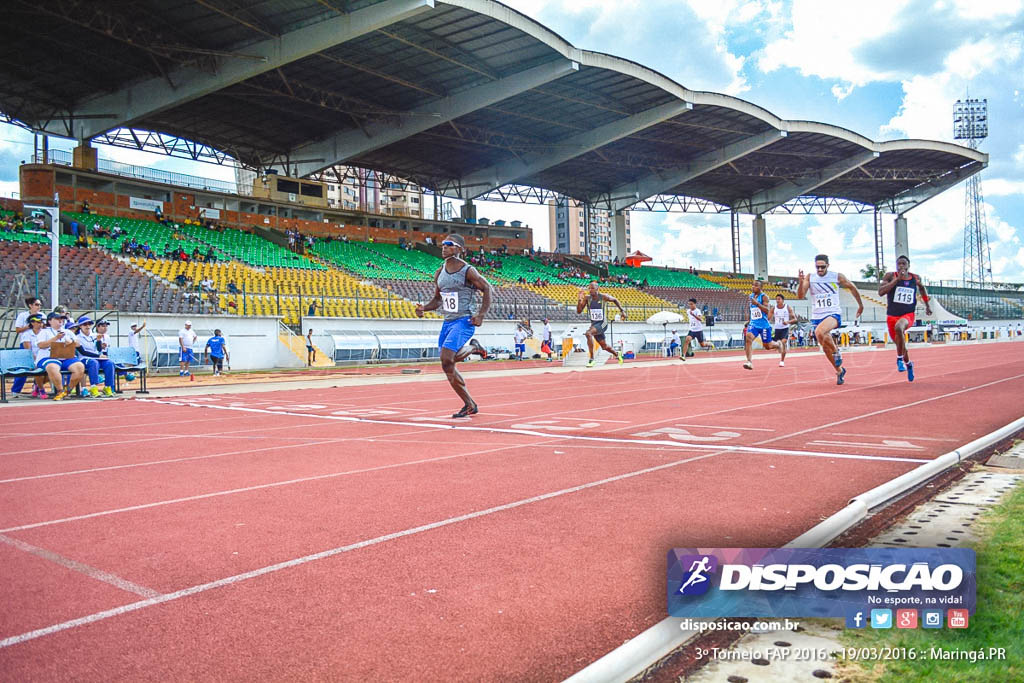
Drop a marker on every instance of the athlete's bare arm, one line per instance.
(581, 300)
(435, 301)
(843, 282)
(924, 295)
(793, 319)
(805, 284)
(475, 279)
(888, 283)
(763, 307)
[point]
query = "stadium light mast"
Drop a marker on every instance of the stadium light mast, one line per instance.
(970, 122)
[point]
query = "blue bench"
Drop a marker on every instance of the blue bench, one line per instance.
(16, 363)
(126, 359)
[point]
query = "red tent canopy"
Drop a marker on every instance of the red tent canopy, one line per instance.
(636, 258)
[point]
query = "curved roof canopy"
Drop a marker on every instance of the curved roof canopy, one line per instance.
(462, 96)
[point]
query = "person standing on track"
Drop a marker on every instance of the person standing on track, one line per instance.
(186, 340)
(900, 289)
(758, 326)
(456, 285)
(310, 349)
(696, 318)
(782, 317)
(593, 300)
(520, 341)
(826, 313)
(547, 340)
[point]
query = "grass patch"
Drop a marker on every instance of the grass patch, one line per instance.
(997, 623)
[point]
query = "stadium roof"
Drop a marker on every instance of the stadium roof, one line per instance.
(462, 96)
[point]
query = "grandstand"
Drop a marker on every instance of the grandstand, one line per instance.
(90, 279)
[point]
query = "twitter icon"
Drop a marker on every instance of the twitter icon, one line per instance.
(881, 618)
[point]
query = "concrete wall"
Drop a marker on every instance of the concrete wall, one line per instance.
(252, 341)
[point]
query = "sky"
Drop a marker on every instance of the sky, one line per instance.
(885, 69)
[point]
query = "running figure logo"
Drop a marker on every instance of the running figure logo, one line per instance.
(697, 581)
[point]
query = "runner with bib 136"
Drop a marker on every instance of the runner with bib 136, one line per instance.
(826, 312)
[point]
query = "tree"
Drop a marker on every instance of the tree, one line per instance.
(870, 272)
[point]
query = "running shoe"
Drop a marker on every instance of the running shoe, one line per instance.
(590, 363)
(467, 411)
(839, 360)
(60, 396)
(683, 358)
(620, 358)
(899, 364)
(107, 391)
(94, 392)
(910, 372)
(782, 363)
(479, 349)
(841, 377)
(181, 373)
(748, 365)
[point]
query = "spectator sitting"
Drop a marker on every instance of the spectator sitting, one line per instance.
(92, 352)
(180, 279)
(210, 256)
(232, 288)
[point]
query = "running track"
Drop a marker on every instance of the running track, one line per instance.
(352, 534)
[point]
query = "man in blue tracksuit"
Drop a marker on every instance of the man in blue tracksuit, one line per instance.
(217, 350)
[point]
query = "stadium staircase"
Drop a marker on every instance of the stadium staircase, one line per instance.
(297, 345)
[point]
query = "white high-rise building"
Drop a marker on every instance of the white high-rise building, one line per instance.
(567, 229)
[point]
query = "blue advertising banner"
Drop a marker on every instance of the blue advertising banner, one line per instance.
(818, 582)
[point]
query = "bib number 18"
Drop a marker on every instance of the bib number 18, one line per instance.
(450, 302)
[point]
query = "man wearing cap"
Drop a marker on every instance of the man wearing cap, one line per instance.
(54, 356)
(133, 337)
(186, 340)
(456, 285)
(92, 352)
(21, 326)
(29, 340)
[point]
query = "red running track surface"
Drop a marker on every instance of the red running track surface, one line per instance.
(360, 533)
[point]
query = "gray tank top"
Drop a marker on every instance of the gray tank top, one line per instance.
(596, 312)
(457, 297)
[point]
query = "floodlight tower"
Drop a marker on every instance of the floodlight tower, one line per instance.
(970, 122)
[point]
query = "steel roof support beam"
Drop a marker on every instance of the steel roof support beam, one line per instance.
(916, 196)
(628, 194)
(485, 180)
(767, 200)
(376, 134)
(153, 95)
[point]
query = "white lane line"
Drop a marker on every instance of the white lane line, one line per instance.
(227, 581)
(256, 487)
(546, 435)
(902, 406)
(902, 436)
(81, 568)
(740, 429)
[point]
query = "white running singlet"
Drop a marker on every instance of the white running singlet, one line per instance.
(824, 295)
(780, 317)
(696, 320)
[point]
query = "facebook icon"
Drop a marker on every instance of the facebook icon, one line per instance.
(855, 620)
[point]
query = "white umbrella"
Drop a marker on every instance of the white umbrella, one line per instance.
(665, 318)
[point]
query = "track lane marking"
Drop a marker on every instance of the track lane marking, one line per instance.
(177, 595)
(80, 567)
